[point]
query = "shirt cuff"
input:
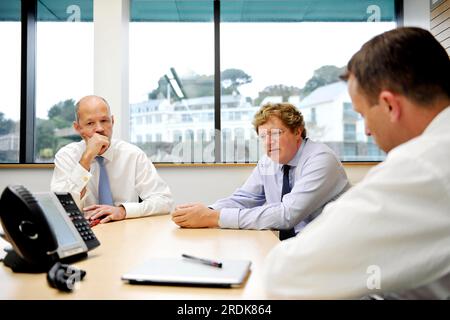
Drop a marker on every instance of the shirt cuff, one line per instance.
(133, 210)
(229, 218)
(80, 177)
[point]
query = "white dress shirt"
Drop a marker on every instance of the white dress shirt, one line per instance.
(388, 233)
(131, 175)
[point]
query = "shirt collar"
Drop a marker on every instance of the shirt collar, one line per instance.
(109, 153)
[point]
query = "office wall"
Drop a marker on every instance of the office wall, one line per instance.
(440, 22)
(188, 184)
(416, 13)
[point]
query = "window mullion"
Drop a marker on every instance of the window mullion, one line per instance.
(28, 81)
(217, 86)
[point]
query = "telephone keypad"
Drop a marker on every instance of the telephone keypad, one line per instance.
(78, 220)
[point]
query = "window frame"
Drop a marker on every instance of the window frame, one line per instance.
(28, 85)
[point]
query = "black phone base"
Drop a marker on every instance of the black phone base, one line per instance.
(20, 265)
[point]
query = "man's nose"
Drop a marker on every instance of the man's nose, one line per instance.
(272, 141)
(99, 127)
(368, 133)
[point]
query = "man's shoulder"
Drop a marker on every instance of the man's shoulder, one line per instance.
(314, 148)
(432, 151)
(124, 146)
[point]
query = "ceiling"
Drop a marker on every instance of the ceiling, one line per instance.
(202, 10)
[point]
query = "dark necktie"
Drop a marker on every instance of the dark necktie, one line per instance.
(286, 234)
(104, 189)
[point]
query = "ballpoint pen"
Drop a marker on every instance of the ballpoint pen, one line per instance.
(203, 261)
(93, 223)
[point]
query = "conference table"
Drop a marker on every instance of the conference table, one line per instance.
(128, 243)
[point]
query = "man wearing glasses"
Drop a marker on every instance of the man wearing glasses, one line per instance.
(289, 186)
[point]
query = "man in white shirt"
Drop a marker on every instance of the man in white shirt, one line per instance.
(112, 195)
(391, 232)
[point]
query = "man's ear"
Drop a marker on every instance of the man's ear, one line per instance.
(112, 120)
(76, 126)
(391, 104)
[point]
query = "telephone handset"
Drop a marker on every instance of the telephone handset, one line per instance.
(43, 228)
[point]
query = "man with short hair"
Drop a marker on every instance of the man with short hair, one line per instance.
(288, 187)
(391, 232)
(105, 176)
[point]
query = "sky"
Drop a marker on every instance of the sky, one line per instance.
(282, 53)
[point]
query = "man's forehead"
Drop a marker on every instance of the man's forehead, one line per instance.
(272, 120)
(91, 113)
(94, 107)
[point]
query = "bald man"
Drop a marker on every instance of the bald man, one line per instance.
(105, 176)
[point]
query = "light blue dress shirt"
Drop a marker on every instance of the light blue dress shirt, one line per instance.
(317, 177)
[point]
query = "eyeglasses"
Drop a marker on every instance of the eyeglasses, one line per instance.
(273, 133)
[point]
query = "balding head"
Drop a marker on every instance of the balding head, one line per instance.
(87, 101)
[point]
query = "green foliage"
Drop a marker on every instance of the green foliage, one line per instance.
(199, 86)
(6, 125)
(232, 79)
(45, 134)
(46, 153)
(62, 114)
(161, 91)
(321, 77)
(277, 90)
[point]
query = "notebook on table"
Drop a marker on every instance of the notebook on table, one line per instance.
(180, 271)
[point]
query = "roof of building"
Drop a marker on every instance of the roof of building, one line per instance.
(324, 94)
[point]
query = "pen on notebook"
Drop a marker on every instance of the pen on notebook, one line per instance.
(204, 261)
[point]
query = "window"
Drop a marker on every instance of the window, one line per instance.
(349, 115)
(172, 69)
(64, 71)
(183, 77)
(189, 135)
(349, 132)
(373, 150)
(270, 51)
(10, 35)
(177, 136)
(287, 53)
(201, 135)
(313, 116)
